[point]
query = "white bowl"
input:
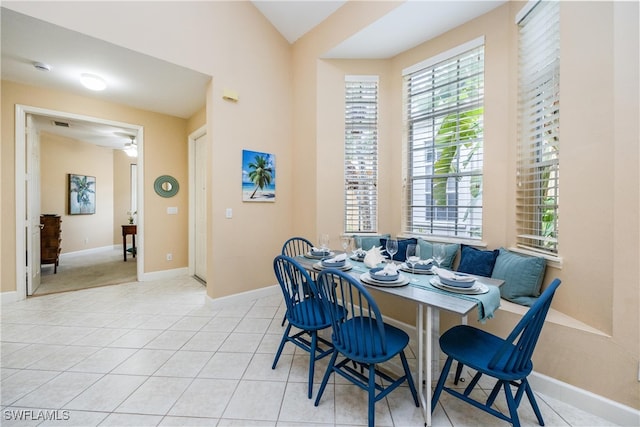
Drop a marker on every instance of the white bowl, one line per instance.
(338, 264)
(375, 274)
(457, 281)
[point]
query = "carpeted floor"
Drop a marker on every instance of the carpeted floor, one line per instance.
(87, 271)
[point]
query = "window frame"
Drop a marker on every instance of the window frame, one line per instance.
(462, 189)
(538, 144)
(361, 154)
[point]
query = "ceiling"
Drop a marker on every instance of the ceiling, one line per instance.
(149, 83)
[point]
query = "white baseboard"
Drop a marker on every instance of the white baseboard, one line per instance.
(243, 297)
(164, 274)
(585, 400)
(581, 399)
(8, 297)
(90, 251)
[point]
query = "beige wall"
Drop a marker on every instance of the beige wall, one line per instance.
(166, 154)
(61, 156)
(296, 100)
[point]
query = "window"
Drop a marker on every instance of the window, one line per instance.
(444, 106)
(538, 125)
(361, 154)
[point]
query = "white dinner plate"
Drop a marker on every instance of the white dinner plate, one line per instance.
(401, 281)
(319, 267)
(477, 289)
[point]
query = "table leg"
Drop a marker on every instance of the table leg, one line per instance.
(124, 246)
(424, 361)
(133, 242)
(459, 365)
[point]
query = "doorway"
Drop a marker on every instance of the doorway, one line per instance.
(198, 151)
(28, 193)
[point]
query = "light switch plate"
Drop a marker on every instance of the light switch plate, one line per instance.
(229, 213)
(172, 210)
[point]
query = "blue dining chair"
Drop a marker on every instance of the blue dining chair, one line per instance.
(296, 246)
(506, 360)
(304, 312)
(362, 338)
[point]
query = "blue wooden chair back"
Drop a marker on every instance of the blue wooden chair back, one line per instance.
(304, 310)
(514, 356)
(358, 327)
(296, 246)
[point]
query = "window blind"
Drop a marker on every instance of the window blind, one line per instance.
(537, 201)
(361, 154)
(444, 106)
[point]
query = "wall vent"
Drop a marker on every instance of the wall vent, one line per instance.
(61, 124)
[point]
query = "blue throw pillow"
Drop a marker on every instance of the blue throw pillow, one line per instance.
(522, 276)
(401, 256)
(476, 261)
(367, 242)
(451, 250)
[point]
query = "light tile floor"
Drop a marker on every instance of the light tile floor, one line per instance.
(155, 353)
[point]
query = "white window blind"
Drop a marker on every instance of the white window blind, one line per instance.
(361, 154)
(538, 124)
(444, 106)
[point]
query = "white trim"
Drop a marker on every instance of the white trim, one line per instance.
(471, 44)
(90, 251)
(21, 112)
(8, 297)
(585, 400)
(362, 78)
(193, 137)
(243, 297)
(163, 274)
(525, 10)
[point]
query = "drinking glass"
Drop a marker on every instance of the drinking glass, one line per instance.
(438, 253)
(324, 242)
(392, 248)
(346, 243)
(413, 257)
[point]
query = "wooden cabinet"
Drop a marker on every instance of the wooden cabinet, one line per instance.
(50, 240)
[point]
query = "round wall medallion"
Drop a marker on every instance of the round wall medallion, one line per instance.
(166, 186)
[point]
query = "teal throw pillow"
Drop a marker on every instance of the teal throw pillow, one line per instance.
(367, 242)
(450, 249)
(522, 276)
(401, 256)
(476, 261)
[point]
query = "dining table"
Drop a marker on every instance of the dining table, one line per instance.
(430, 301)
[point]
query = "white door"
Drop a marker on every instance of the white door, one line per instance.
(200, 205)
(33, 206)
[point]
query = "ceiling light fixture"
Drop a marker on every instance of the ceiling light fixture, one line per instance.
(41, 66)
(93, 82)
(132, 148)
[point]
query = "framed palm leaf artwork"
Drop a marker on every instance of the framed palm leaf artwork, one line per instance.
(258, 177)
(82, 194)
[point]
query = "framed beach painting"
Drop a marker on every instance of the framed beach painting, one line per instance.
(82, 194)
(258, 177)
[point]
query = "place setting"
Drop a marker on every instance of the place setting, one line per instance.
(387, 276)
(339, 262)
(456, 282)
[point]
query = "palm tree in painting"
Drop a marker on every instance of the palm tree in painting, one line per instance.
(261, 173)
(82, 187)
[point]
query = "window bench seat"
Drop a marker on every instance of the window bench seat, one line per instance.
(554, 316)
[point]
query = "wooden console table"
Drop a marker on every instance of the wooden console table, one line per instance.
(133, 230)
